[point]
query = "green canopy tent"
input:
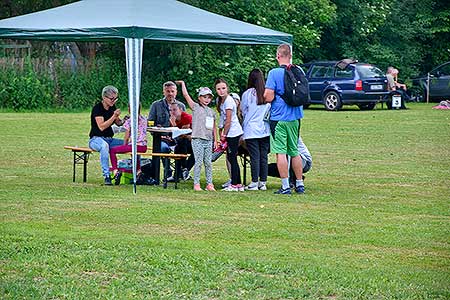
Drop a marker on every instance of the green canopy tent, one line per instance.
(134, 21)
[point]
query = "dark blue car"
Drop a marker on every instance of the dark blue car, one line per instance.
(439, 83)
(334, 84)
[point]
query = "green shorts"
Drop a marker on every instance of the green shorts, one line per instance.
(285, 137)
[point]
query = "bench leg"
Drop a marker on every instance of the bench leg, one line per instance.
(74, 165)
(82, 158)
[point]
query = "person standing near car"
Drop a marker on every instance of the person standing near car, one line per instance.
(284, 124)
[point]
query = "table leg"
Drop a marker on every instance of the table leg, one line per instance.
(156, 160)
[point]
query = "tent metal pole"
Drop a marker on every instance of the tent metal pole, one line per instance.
(133, 52)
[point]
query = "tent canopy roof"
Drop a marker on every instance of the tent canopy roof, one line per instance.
(167, 20)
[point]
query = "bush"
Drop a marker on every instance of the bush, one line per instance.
(25, 90)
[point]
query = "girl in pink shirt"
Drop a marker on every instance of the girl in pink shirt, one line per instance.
(126, 147)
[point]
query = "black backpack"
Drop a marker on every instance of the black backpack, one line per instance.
(296, 89)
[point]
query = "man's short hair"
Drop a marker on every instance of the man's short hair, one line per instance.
(390, 69)
(284, 50)
(109, 90)
(169, 84)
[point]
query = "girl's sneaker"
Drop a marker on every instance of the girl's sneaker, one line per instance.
(253, 186)
(262, 186)
(231, 188)
(210, 187)
(226, 184)
(240, 187)
(197, 187)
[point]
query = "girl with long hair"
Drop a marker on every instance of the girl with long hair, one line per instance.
(256, 130)
(230, 131)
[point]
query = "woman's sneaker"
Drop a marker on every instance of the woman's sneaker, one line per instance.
(108, 180)
(210, 187)
(197, 187)
(253, 186)
(262, 186)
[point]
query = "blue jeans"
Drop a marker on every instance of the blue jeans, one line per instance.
(102, 145)
(166, 162)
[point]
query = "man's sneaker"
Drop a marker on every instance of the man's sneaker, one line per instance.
(282, 191)
(262, 186)
(117, 178)
(170, 179)
(197, 187)
(300, 189)
(210, 187)
(253, 186)
(226, 184)
(108, 180)
(186, 175)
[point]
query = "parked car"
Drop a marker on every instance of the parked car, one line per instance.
(439, 83)
(334, 84)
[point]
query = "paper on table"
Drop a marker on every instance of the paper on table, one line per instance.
(176, 132)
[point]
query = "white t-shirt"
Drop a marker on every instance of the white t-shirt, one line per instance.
(254, 125)
(235, 127)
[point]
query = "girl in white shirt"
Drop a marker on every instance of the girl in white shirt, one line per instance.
(231, 131)
(256, 130)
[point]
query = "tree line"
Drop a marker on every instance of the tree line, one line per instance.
(411, 35)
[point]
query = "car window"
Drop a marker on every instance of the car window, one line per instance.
(347, 73)
(445, 70)
(321, 72)
(368, 71)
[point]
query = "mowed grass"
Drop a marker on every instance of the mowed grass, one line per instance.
(374, 223)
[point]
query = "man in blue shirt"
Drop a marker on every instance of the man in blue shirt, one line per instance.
(284, 124)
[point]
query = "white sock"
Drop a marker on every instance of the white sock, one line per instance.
(285, 183)
(299, 182)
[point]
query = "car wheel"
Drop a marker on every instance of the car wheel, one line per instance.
(332, 101)
(367, 106)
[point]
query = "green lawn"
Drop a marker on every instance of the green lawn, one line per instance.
(374, 223)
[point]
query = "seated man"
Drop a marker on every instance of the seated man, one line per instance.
(182, 120)
(159, 113)
(395, 88)
(306, 163)
(103, 115)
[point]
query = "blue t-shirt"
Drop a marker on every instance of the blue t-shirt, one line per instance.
(280, 111)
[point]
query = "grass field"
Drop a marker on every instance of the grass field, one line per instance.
(374, 223)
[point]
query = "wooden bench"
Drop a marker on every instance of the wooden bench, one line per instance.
(81, 157)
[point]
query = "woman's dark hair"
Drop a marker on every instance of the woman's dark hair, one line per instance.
(220, 99)
(256, 81)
